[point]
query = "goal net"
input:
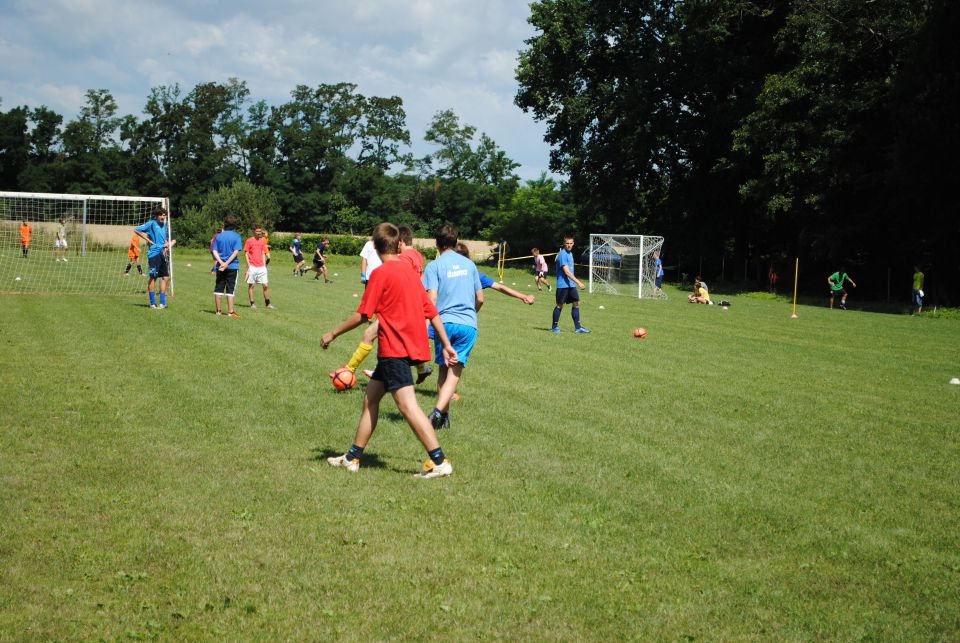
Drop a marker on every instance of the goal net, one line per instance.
(96, 245)
(625, 264)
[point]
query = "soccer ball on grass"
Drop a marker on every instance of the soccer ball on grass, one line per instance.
(343, 379)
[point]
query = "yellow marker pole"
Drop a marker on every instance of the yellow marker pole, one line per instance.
(796, 273)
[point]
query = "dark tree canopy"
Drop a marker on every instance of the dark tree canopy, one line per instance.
(756, 130)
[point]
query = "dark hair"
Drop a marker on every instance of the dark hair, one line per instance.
(568, 236)
(462, 249)
(230, 222)
(447, 237)
(158, 212)
(386, 238)
(406, 235)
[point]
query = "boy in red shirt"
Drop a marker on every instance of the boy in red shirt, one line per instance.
(258, 254)
(395, 295)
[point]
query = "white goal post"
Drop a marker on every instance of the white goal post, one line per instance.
(625, 263)
(93, 255)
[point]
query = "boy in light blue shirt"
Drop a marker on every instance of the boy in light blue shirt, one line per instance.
(155, 232)
(453, 285)
(567, 285)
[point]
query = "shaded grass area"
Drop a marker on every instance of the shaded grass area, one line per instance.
(735, 475)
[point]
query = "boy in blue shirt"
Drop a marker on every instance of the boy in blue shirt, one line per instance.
(453, 285)
(226, 251)
(155, 233)
(567, 285)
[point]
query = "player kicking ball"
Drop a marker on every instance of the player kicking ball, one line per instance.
(394, 294)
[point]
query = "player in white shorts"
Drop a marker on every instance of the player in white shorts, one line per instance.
(60, 243)
(256, 250)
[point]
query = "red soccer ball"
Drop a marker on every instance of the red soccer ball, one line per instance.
(344, 379)
(640, 333)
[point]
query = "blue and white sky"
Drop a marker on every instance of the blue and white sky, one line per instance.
(435, 54)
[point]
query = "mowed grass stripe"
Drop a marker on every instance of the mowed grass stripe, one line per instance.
(735, 475)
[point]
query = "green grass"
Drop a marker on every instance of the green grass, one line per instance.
(736, 475)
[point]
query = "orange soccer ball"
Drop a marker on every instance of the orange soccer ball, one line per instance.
(344, 379)
(640, 333)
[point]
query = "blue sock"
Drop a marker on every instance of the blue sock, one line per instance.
(436, 455)
(575, 313)
(556, 317)
(354, 453)
(153, 298)
(163, 299)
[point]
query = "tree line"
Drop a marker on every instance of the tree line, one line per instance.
(748, 132)
(327, 160)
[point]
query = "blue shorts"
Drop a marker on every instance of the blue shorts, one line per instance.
(917, 299)
(158, 266)
(567, 296)
(658, 282)
(461, 337)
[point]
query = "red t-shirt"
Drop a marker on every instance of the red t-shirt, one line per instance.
(395, 295)
(413, 256)
(255, 249)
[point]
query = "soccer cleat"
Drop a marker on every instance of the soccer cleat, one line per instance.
(436, 419)
(252, 305)
(456, 396)
(548, 287)
(161, 305)
(341, 461)
(843, 306)
(219, 313)
(64, 260)
(445, 421)
(424, 374)
(582, 330)
(271, 307)
(233, 314)
(431, 470)
(555, 329)
(153, 306)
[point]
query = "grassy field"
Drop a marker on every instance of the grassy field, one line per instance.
(736, 475)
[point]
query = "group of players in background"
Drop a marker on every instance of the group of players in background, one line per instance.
(404, 304)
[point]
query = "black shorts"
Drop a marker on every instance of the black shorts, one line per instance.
(838, 294)
(226, 282)
(158, 266)
(298, 257)
(394, 372)
(567, 295)
(319, 263)
(540, 274)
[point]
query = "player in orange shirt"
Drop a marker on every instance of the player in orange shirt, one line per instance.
(133, 254)
(25, 233)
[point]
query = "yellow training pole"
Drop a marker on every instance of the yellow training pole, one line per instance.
(796, 273)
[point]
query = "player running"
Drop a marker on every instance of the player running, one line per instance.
(540, 270)
(399, 302)
(837, 291)
(295, 250)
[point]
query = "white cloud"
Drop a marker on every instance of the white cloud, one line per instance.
(435, 54)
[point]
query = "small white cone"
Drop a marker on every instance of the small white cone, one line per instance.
(336, 274)
(955, 380)
(17, 279)
(189, 265)
(601, 307)
(354, 294)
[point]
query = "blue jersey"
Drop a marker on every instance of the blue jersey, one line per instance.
(565, 258)
(157, 234)
(295, 244)
(456, 280)
(485, 281)
(225, 244)
(659, 268)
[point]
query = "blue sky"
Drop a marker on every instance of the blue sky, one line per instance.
(435, 54)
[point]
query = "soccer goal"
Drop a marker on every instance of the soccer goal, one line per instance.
(625, 264)
(73, 243)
